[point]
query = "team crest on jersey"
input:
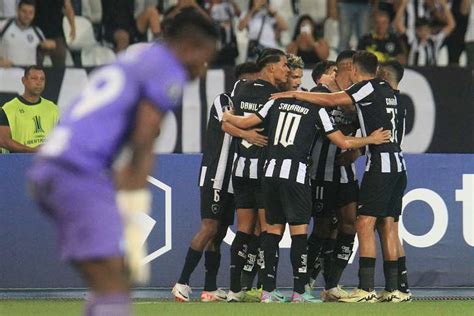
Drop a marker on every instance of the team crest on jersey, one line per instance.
(215, 208)
(30, 38)
(390, 47)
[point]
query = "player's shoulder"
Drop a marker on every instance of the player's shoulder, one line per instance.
(223, 99)
(321, 88)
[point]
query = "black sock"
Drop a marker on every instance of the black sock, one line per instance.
(260, 262)
(299, 261)
(315, 245)
(402, 275)
(238, 255)
(341, 255)
(326, 257)
(366, 273)
(212, 261)
(390, 270)
(250, 268)
(270, 248)
(190, 263)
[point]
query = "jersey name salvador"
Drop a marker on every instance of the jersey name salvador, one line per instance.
(293, 126)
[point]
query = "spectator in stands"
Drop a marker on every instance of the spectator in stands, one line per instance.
(223, 13)
(263, 24)
(306, 44)
(381, 42)
(183, 4)
(91, 9)
(26, 121)
(354, 17)
(424, 46)
(19, 39)
(124, 24)
(8, 9)
(455, 42)
(470, 37)
(49, 18)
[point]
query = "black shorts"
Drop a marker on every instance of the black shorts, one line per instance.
(217, 205)
(381, 194)
(286, 202)
(330, 196)
(247, 193)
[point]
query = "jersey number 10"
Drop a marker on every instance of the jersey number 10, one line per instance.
(287, 127)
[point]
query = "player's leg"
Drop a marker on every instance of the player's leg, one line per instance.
(402, 268)
(346, 214)
(211, 208)
(212, 260)
(109, 286)
(251, 266)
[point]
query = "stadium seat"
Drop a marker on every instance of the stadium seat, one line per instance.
(84, 33)
(96, 56)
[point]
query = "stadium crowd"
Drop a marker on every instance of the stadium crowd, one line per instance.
(415, 32)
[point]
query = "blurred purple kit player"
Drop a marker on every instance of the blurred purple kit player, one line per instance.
(117, 114)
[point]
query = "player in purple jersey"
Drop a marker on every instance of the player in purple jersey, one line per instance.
(95, 206)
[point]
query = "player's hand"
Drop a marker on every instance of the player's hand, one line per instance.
(346, 158)
(227, 115)
(380, 136)
(254, 137)
(133, 205)
(281, 95)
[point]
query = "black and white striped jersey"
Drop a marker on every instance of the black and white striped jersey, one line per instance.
(324, 153)
(248, 98)
(425, 53)
(377, 106)
(292, 128)
(218, 152)
(400, 118)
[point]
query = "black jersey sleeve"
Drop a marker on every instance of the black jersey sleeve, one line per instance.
(361, 92)
(324, 122)
(3, 118)
(222, 103)
(263, 112)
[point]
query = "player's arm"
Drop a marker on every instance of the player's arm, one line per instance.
(252, 135)
(6, 140)
(322, 99)
(450, 22)
(243, 122)
(399, 15)
(377, 137)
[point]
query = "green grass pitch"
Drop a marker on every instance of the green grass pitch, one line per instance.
(74, 307)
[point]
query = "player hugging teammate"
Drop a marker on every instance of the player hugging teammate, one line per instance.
(306, 169)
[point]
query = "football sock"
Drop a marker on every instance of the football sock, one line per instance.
(326, 257)
(299, 259)
(341, 256)
(366, 273)
(402, 275)
(212, 261)
(238, 255)
(119, 304)
(315, 244)
(251, 267)
(190, 263)
(260, 263)
(390, 270)
(270, 248)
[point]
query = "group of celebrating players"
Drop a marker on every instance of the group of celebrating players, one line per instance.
(280, 156)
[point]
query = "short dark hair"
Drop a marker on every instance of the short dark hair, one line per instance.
(30, 68)
(245, 68)
(269, 56)
(395, 68)
(321, 68)
(27, 2)
(345, 54)
(189, 23)
(367, 62)
(422, 22)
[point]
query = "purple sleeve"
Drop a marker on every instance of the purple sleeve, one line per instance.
(164, 89)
